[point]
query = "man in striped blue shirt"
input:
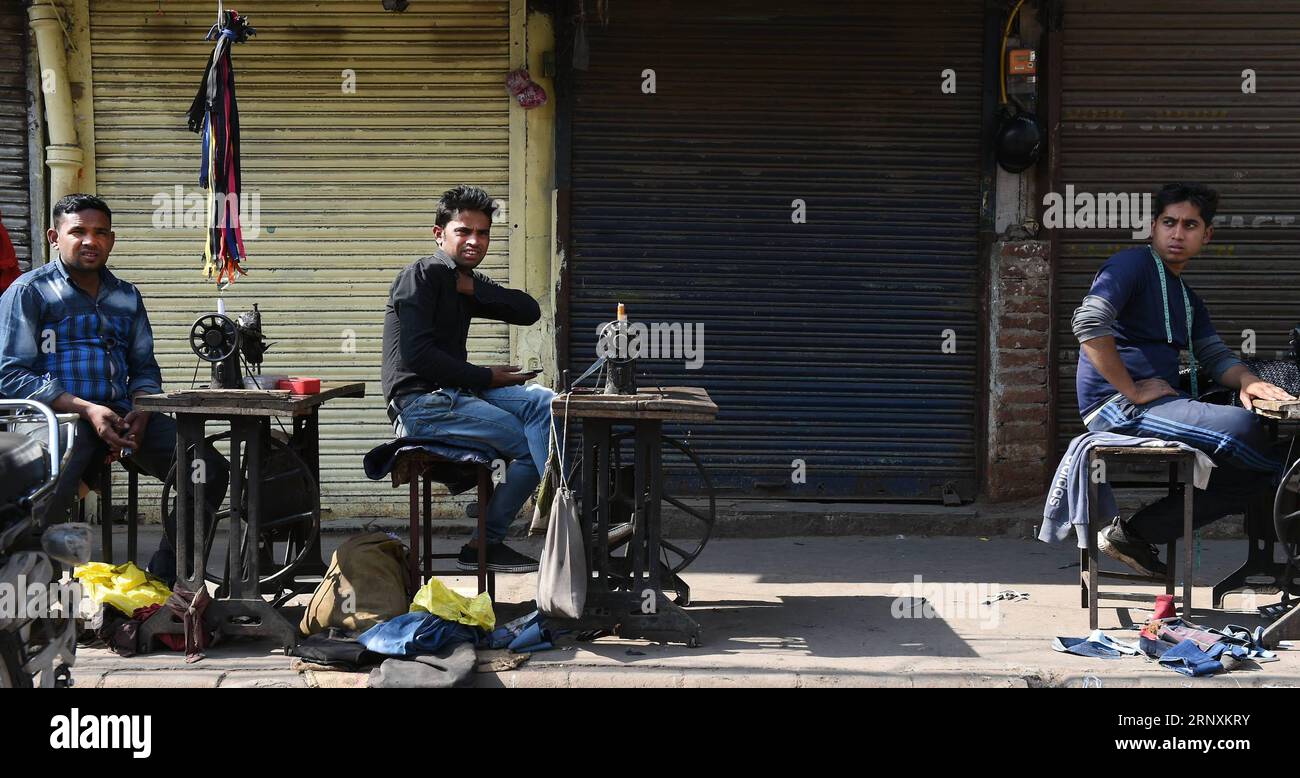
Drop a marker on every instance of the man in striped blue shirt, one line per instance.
(1138, 316)
(77, 338)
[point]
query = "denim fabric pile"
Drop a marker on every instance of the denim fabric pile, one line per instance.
(1178, 645)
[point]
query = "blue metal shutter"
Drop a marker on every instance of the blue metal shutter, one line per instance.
(1140, 110)
(822, 340)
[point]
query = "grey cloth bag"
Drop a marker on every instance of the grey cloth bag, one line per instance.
(562, 575)
(451, 666)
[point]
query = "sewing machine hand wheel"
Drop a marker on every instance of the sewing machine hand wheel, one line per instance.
(1286, 512)
(293, 525)
(687, 528)
(692, 532)
(214, 337)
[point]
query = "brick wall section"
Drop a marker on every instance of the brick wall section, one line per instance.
(1019, 400)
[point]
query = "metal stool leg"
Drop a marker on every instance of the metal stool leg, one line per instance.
(1083, 577)
(484, 495)
(428, 526)
(105, 510)
(1171, 548)
(1188, 537)
(132, 513)
(1171, 566)
(1093, 560)
(413, 558)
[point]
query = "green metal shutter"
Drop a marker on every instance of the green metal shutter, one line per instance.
(348, 182)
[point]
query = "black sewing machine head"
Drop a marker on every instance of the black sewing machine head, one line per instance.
(218, 339)
(620, 376)
(614, 350)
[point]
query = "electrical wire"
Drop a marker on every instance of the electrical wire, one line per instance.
(1002, 59)
(66, 35)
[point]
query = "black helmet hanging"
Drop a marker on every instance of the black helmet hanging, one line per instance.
(1019, 142)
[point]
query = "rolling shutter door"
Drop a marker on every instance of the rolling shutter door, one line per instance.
(347, 181)
(1152, 93)
(822, 340)
(15, 204)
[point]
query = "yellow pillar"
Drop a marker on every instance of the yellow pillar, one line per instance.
(63, 155)
(532, 183)
(539, 188)
(82, 78)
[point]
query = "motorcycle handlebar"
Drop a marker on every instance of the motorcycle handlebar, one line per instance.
(60, 448)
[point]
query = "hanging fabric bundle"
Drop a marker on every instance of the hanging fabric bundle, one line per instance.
(214, 115)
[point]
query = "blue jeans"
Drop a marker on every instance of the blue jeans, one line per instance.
(513, 421)
(155, 456)
(1246, 466)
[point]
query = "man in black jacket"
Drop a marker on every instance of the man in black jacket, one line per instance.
(434, 392)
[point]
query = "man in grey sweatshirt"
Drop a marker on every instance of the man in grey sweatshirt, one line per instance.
(1138, 316)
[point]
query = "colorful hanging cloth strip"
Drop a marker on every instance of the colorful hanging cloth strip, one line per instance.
(214, 115)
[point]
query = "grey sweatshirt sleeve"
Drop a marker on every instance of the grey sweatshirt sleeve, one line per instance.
(1094, 318)
(1215, 355)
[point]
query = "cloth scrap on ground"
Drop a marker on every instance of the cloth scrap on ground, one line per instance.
(416, 633)
(1097, 645)
(1007, 594)
(336, 648)
(452, 666)
(525, 635)
(1194, 651)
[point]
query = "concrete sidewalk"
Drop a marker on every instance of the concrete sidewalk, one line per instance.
(814, 611)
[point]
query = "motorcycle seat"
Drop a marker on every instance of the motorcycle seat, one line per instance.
(24, 466)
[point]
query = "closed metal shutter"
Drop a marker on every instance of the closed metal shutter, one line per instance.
(15, 204)
(1152, 93)
(823, 341)
(348, 182)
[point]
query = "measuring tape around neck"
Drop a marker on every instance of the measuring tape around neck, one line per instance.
(1187, 310)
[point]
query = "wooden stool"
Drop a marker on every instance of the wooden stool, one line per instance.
(1127, 466)
(104, 513)
(414, 467)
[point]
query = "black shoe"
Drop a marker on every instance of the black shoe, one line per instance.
(500, 559)
(1142, 557)
(468, 559)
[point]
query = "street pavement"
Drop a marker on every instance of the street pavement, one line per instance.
(811, 612)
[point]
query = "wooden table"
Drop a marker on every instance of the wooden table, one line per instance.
(632, 605)
(1260, 561)
(249, 413)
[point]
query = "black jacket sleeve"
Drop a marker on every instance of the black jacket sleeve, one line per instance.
(415, 301)
(508, 305)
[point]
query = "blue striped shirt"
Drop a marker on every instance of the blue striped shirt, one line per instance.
(55, 338)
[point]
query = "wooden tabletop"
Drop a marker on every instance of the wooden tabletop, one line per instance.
(673, 403)
(247, 402)
(1138, 452)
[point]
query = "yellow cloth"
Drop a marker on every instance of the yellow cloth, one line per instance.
(434, 597)
(125, 587)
